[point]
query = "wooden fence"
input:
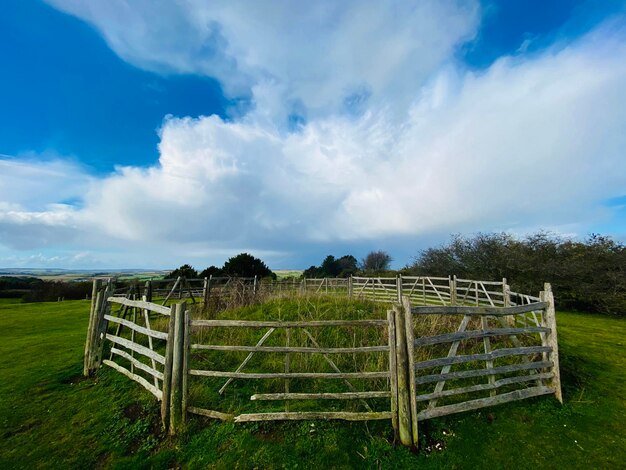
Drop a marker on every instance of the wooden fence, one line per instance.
(503, 348)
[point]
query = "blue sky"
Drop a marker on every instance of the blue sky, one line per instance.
(150, 134)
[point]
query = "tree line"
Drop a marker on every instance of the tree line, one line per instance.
(588, 275)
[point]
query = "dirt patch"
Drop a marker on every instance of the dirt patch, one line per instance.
(133, 412)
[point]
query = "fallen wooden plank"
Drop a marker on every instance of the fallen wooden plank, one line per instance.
(210, 413)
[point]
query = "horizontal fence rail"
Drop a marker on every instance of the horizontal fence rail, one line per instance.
(499, 346)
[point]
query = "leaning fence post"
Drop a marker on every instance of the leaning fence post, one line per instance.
(100, 326)
(96, 298)
(549, 319)
(176, 400)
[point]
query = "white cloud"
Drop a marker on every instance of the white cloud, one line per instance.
(317, 53)
(533, 141)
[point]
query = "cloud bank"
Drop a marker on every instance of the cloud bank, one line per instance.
(363, 127)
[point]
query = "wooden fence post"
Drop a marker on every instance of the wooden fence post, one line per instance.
(167, 369)
(185, 363)
(399, 287)
(350, 286)
(452, 281)
(506, 301)
(205, 291)
(254, 286)
(176, 392)
(402, 364)
(410, 346)
(393, 371)
(148, 291)
(549, 320)
(96, 299)
(101, 325)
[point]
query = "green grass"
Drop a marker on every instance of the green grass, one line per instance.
(51, 418)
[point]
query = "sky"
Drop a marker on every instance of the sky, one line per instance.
(148, 134)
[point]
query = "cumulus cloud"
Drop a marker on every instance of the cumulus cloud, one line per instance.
(399, 139)
(322, 55)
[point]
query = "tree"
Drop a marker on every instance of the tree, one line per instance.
(348, 265)
(376, 261)
(333, 267)
(211, 271)
(246, 265)
(185, 270)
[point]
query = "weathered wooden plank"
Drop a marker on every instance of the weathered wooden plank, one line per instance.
(320, 396)
(487, 349)
(140, 304)
(136, 347)
(393, 371)
(332, 364)
(167, 374)
(185, 363)
(138, 364)
(177, 368)
(210, 413)
(465, 374)
(173, 290)
(492, 311)
(137, 378)
(247, 359)
(285, 324)
(137, 328)
(451, 353)
(483, 402)
(410, 340)
(405, 429)
(475, 334)
(483, 387)
(551, 340)
(291, 349)
(311, 415)
(291, 375)
(495, 354)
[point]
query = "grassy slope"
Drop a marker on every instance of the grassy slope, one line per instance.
(49, 417)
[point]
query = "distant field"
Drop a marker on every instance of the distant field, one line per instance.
(283, 273)
(50, 417)
(67, 275)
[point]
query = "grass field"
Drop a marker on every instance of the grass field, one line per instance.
(52, 418)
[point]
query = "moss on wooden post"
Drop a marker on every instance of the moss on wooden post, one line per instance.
(549, 319)
(402, 365)
(178, 350)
